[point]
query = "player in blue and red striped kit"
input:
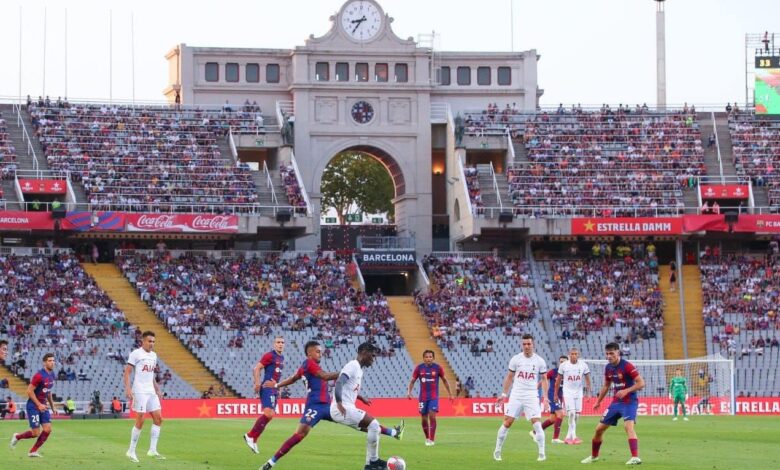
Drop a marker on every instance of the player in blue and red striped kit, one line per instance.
(40, 406)
(556, 408)
(317, 398)
(271, 364)
(624, 379)
(429, 373)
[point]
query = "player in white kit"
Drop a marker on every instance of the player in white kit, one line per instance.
(525, 371)
(144, 394)
(344, 411)
(571, 374)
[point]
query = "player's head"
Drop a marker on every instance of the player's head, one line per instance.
(279, 344)
(313, 351)
(528, 344)
(574, 354)
(366, 354)
(678, 372)
(428, 356)
(613, 353)
(562, 359)
(3, 349)
(147, 340)
(48, 362)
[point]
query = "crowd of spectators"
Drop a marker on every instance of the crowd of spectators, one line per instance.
(7, 154)
(292, 189)
(476, 294)
(611, 162)
(472, 184)
(756, 146)
(741, 294)
(494, 121)
(616, 287)
(145, 158)
(249, 295)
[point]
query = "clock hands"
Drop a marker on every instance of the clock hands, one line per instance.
(358, 22)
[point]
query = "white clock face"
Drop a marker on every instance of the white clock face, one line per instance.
(361, 20)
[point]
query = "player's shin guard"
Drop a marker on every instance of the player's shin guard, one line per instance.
(258, 427)
(25, 435)
(548, 422)
(41, 440)
(135, 434)
(539, 436)
(633, 444)
(595, 447)
(432, 428)
(287, 446)
(426, 428)
(572, 432)
(372, 442)
(502, 432)
(155, 438)
(557, 428)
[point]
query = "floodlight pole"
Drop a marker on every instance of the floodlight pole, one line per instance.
(660, 48)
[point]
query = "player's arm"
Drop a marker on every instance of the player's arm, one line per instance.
(587, 382)
(157, 390)
(557, 386)
(51, 403)
(256, 371)
(447, 384)
(545, 389)
(414, 378)
(31, 392)
(340, 382)
(365, 400)
(272, 384)
(128, 388)
(510, 375)
(685, 388)
(328, 376)
(602, 393)
(639, 384)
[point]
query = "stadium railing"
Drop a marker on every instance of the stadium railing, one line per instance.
(25, 136)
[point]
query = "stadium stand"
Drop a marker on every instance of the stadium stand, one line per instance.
(52, 305)
(756, 146)
(7, 154)
(741, 319)
(218, 303)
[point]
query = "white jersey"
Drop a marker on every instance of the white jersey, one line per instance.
(144, 364)
(351, 389)
(527, 371)
(573, 375)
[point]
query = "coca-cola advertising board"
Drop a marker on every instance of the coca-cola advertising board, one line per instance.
(187, 223)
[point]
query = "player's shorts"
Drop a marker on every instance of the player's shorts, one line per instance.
(36, 417)
(352, 418)
(555, 406)
(573, 402)
(268, 397)
(679, 398)
(529, 407)
(427, 406)
(618, 410)
(315, 413)
(146, 402)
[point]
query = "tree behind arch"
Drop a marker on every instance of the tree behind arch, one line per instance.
(354, 179)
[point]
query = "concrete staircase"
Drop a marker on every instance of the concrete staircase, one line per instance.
(24, 162)
(109, 278)
(16, 385)
(488, 191)
(673, 343)
(694, 301)
(521, 155)
(726, 147)
(710, 153)
(415, 332)
(10, 196)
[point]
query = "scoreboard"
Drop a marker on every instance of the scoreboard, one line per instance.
(767, 90)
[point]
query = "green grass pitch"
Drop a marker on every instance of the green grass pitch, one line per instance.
(705, 442)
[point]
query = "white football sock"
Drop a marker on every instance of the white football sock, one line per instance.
(134, 435)
(539, 436)
(572, 424)
(155, 437)
(502, 432)
(372, 442)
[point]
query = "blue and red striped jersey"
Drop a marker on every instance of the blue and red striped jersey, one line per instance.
(429, 376)
(622, 376)
(43, 382)
(317, 388)
(273, 363)
(552, 376)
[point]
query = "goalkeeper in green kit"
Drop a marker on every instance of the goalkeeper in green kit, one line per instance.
(678, 391)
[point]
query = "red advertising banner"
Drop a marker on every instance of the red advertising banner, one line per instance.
(18, 220)
(760, 223)
(724, 191)
(700, 223)
(627, 226)
(462, 407)
(36, 186)
(197, 223)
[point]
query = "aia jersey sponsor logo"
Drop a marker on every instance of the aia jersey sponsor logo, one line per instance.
(526, 375)
(147, 368)
(574, 378)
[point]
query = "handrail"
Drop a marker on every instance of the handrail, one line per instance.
(462, 174)
(284, 109)
(423, 273)
(25, 136)
(269, 182)
(170, 208)
(495, 186)
(510, 145)
(300, 182)
(71, 192)
(717, 147)
(218, 254)
(359, 273)
(232, 144)
(460, 254)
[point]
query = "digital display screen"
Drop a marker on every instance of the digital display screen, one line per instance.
(767, 91)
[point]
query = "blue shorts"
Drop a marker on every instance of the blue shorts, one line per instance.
(555, 406)
(268, 397)
(618, 410)
(315, 413)
(428, 406)
(36, 417)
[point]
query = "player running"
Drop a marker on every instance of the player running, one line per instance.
(556, 408)
(525, 370)
(144, 395)
(429, 373)
(678, 392)
(624, 379)
(570, 377)
(344, 411)
(271, 364)
(317, 397)
(40, 406)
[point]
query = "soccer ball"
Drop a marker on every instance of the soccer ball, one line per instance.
(396, 463)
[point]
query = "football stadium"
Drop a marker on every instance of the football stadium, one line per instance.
(370, 251)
